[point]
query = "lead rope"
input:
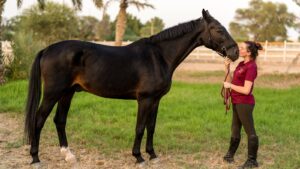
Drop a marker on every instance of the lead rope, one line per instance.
(225, 93)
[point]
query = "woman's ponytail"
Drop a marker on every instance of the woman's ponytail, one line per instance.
(253, 48)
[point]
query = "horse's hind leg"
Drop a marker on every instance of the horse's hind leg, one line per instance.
(49, 100)
(60, 120)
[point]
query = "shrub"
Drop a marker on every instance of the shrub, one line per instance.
(25, 48)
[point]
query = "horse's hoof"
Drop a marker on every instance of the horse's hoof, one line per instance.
(70, 158)
(64, 151)
(36, 165)
(141, 164)
(155, 160)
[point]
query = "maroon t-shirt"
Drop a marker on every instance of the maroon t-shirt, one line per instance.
(243, 72)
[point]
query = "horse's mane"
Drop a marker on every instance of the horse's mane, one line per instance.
(175, 31)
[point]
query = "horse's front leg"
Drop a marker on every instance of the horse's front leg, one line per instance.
(145, 107)
(150, 130)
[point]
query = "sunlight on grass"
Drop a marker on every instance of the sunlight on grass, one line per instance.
(191, 119)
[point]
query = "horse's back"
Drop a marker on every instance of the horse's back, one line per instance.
(103, 70)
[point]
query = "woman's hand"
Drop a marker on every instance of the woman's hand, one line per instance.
(227, 85)
(227, 62)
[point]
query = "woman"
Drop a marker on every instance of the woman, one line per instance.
(243, 102)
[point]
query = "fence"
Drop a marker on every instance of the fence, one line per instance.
(282, 52)
(273, 52)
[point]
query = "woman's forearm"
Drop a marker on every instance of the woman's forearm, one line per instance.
(229, 78)
(241, 89)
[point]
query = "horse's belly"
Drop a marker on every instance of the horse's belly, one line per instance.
(115, 93)
(109, 90)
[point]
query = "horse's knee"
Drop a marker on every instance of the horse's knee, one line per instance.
(139, 133)
(59, 121)
(150, 130)
(40, 123)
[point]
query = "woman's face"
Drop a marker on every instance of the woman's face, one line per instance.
(243, 50)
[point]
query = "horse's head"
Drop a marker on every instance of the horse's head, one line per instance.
(216, 37)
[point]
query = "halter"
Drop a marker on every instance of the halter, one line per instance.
(221, 51)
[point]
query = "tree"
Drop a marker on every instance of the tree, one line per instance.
(2, 3)
(132, 31)
(120, 26)
(153, 26)
(35, 29)
(122, 17)
(238, 32)
(88, 28)
(56, 22)
(263, 21)
(99, 5)
(298, 24)
(76, 3)
(105, 28)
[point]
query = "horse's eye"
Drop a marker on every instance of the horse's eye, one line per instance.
(220, 31)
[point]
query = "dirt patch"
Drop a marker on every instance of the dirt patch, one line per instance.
(13, 154)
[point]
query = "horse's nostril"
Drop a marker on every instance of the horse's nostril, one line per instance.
(237, 52)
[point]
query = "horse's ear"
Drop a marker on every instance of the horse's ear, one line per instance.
(206, 15)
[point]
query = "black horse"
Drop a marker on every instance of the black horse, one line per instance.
(141, 71)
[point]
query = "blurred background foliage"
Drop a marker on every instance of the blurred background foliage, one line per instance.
(48, 22)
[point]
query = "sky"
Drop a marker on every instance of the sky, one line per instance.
(178, 11)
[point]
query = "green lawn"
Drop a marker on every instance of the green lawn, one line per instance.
(191, 118)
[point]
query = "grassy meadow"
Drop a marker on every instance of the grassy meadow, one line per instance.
(191, 119)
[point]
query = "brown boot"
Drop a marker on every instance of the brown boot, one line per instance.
(252, 153)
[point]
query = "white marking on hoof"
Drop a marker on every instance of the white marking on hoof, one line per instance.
(155, 160)
(36, 165)
(69, 156)
(141, 165)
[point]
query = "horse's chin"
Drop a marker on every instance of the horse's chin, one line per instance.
(232, 58)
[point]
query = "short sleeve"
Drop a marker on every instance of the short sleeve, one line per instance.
(251, 73)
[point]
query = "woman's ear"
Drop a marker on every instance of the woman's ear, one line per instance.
(248, 52)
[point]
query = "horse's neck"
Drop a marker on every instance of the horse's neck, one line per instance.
(175, 51)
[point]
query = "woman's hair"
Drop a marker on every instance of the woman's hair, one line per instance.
(253, 48)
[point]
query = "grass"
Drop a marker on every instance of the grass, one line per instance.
(191, 119)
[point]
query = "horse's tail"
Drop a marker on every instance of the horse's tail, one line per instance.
(33, 98)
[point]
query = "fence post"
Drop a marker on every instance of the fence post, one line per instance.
(198, 53)
(284, 51)
(266, 50)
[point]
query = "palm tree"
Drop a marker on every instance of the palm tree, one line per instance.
(99, 5)
(122, 17)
